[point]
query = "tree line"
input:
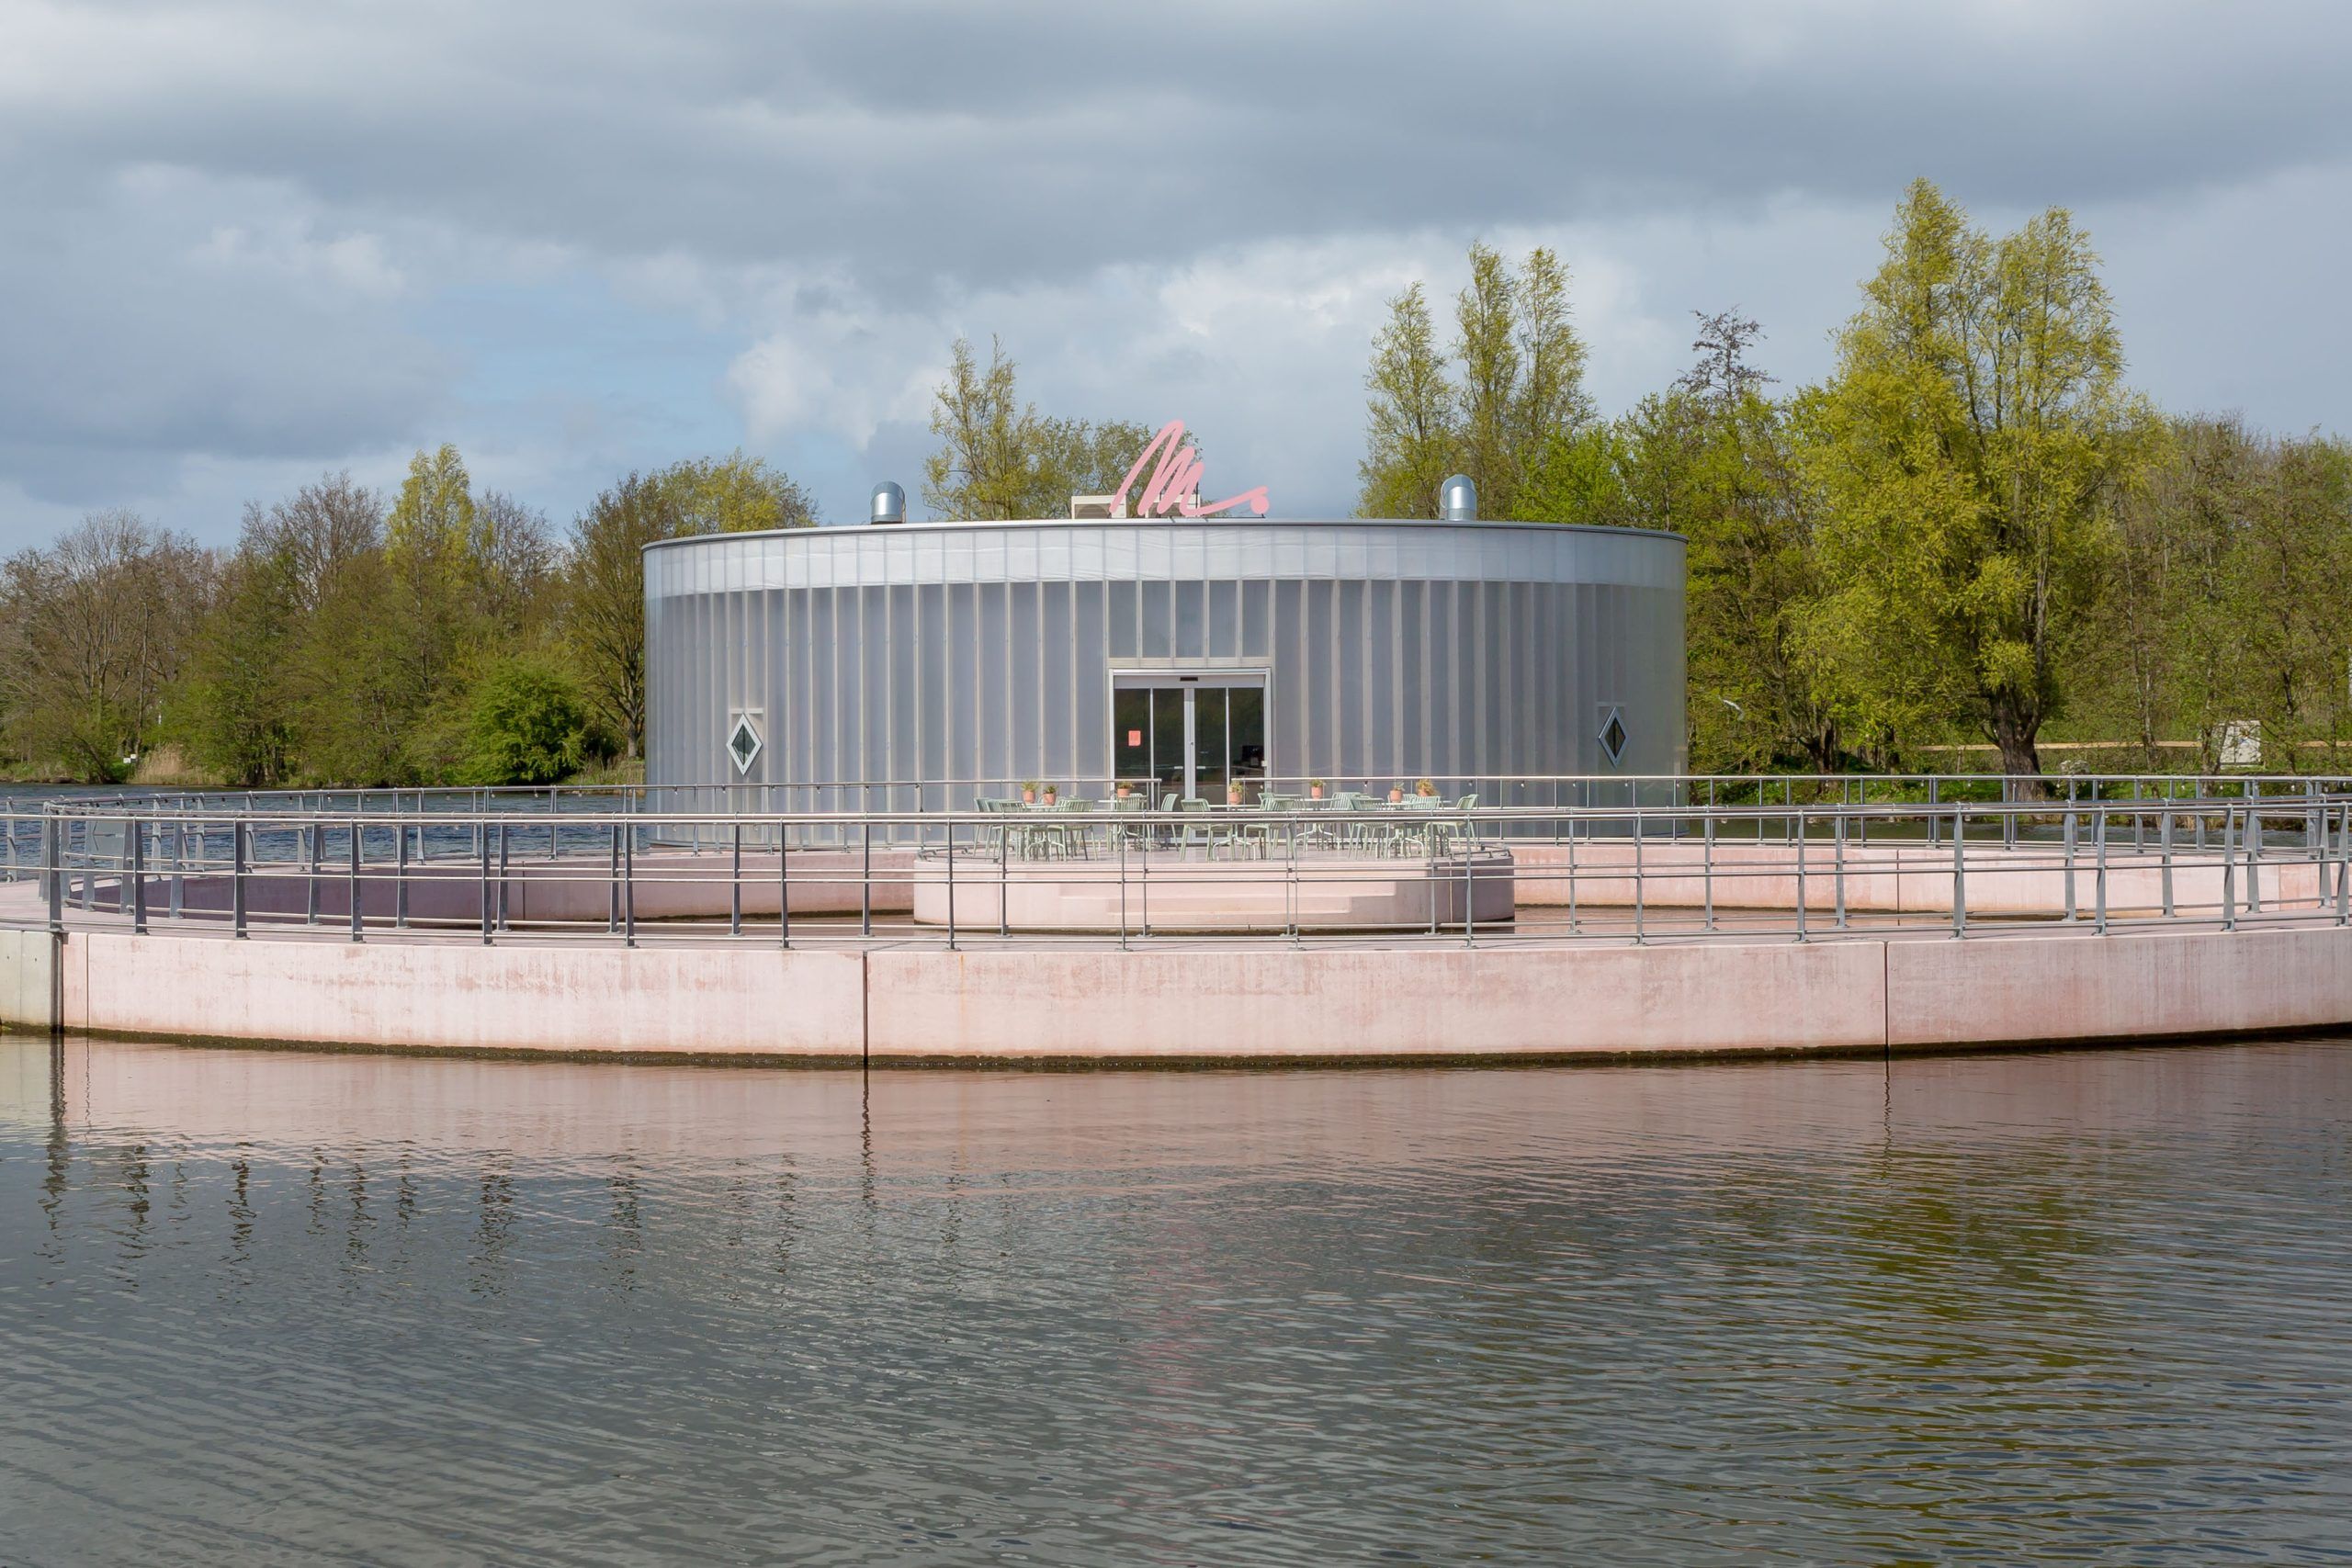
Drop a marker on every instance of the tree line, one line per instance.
(1972, 531)
(439, 635)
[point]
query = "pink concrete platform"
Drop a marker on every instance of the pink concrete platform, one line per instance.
(1175, 891)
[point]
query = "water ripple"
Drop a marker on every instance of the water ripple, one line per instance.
(280, 1307)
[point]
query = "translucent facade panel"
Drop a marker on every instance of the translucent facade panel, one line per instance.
(1192, 619)
(1256, 638)
(1157, 611)
(931, 761)
(1120, 598)
(994, 710)
(1352, 652)
(1090, 675)
(984, 652)
(1056, 711)
(1025, 685)
(962, 698)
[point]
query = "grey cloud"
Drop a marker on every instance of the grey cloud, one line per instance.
(163, 315)
(867, 179)
(1008, 142)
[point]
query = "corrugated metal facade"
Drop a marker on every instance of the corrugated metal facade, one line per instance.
(909, 667)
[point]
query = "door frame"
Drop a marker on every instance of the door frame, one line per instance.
(1187, 678)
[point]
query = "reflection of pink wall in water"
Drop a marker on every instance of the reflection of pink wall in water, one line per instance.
(1090, 1127)
(1177, 475)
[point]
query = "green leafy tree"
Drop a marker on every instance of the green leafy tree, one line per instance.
(602, 619)
(604, 599)
(253, 691)
(1715, 460)
(428, 546)
(1506, 408)
(1968, 453)
(527, 723)
(100, 625)
(1409, 444)
(734, 495)
(998, 459)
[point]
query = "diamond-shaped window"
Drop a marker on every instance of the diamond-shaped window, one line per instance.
(743, 743)
(1613, 735)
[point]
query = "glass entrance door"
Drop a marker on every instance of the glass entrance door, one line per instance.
(1189, 736)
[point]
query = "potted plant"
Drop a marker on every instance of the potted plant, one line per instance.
(1395, 793)
(1052, 791)
(1232, 794)
(1425, 789)
(1028, 792)
(1125, 789)
(1315, 789)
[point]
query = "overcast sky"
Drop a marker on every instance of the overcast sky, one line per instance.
(243, 242)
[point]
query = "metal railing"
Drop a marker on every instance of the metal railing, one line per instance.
(854, 812)
(547, 866)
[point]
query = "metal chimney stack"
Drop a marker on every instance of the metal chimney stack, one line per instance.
(1457, 500)
(889, 504)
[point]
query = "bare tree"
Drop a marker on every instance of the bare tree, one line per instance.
(102, 621)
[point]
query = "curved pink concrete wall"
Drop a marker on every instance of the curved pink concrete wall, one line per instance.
(1263, 1002)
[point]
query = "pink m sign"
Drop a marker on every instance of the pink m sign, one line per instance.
(1177, 475)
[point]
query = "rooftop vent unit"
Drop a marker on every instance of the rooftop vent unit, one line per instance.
(890, 503)
(1457, 500)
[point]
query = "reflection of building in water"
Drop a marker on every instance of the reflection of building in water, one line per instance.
(939, 661)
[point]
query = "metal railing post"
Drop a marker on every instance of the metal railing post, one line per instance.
(2070, 855)
(1469, 894)
(2229, 868)
(2164, 845)
(735, 884)
(504, 875)
(1960, 870)
(1707, 868)
(489, 910)
(1572, 876)
(613, 882)
(783, 885)
(2250, 839)
(358, 927)
(1840, 868)
(2343, 863)
(399, 866)
(1799, 840)
(865, 880)
(1640, 890)
(2098, 876)
(629, 886)
(237, 842)
(951, 880)
(52, 869)
(137, 877)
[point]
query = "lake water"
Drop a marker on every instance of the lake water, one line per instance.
(282, 1307)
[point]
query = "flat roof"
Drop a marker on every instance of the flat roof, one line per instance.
(1606, 529)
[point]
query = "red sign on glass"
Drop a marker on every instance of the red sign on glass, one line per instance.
(1135, 736)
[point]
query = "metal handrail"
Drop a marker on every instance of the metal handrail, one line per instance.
(1804, 872)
